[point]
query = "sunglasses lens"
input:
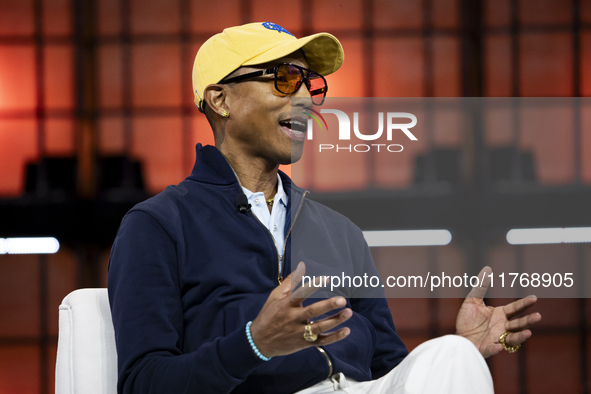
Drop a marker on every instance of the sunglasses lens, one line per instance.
(317, 88)
(289, 78)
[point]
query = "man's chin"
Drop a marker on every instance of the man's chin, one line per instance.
(285, 157)
(296, 152)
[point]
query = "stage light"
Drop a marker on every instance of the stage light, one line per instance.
(40, 245)
(407, 238)
(529, 236)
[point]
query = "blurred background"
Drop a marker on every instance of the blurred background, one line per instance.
(97, 114)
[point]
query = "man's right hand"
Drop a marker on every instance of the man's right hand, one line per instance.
(279, 327)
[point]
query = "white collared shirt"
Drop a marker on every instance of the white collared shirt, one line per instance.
(274, 220)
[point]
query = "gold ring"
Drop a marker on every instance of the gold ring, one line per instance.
(510, 349)
(308, 334)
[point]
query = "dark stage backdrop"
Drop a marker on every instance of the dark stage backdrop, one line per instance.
(96, 113)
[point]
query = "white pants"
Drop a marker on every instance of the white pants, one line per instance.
(449, 364)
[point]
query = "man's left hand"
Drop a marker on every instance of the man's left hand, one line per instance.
(483, 325)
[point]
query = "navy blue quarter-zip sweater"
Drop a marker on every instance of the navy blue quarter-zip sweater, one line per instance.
(188, 271)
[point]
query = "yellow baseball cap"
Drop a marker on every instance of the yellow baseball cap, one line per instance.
(258, 43)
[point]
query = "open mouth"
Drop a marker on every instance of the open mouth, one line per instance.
(294, 127)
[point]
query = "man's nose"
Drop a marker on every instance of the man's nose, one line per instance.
(303, 96)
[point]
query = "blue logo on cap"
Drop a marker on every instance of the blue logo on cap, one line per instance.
(275, 26)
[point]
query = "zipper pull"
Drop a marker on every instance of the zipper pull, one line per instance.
(280, 278)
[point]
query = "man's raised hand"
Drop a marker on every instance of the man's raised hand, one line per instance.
(483, 325)
(279, 327)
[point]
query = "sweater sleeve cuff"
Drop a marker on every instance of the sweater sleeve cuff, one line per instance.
(236, 355)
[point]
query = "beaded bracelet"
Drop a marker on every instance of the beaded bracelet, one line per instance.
(252, 345)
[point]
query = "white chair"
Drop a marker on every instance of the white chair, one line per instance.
(86, 353)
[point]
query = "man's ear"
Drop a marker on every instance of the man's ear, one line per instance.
(215, 97)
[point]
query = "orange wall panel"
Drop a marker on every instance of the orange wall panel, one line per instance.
(57, 17)
(504, 368)
(398, 67)
(546, 64)
(16, 17)
(554, 368)
(446, 70)
(108, 17)
(156, 75)
(348, 81)
(497, 12)
(155, 16)
(446, 13)
(585, 64)
(585, 11)
(497, 66)
(110, 75)
(397, 14)
(214, 16)
(59, 76)
(546, 11)
(558, 312)
(202, 132)
(410, 314)
(59, 137)
(111, 137)
(17, 77)
(330, 15)
(51, 357)
(20, 370)
(157, 143)
(19, 296)
(447, 311)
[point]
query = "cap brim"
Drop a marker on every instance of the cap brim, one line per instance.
(323, 52)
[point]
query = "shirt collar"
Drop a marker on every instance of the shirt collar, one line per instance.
(280, 196)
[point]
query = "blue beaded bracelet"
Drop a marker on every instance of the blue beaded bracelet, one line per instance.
(252, 345)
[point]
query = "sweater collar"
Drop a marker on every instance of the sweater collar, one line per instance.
(212, 167)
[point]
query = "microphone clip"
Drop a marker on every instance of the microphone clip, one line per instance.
(244, 208)
(242, 204)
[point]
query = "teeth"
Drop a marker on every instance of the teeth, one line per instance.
(295, 125)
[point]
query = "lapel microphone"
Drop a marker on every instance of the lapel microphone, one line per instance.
(242, 204)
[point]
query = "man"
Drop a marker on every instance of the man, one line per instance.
(196, 276)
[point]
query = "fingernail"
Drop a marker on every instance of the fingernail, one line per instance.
(341, 302)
